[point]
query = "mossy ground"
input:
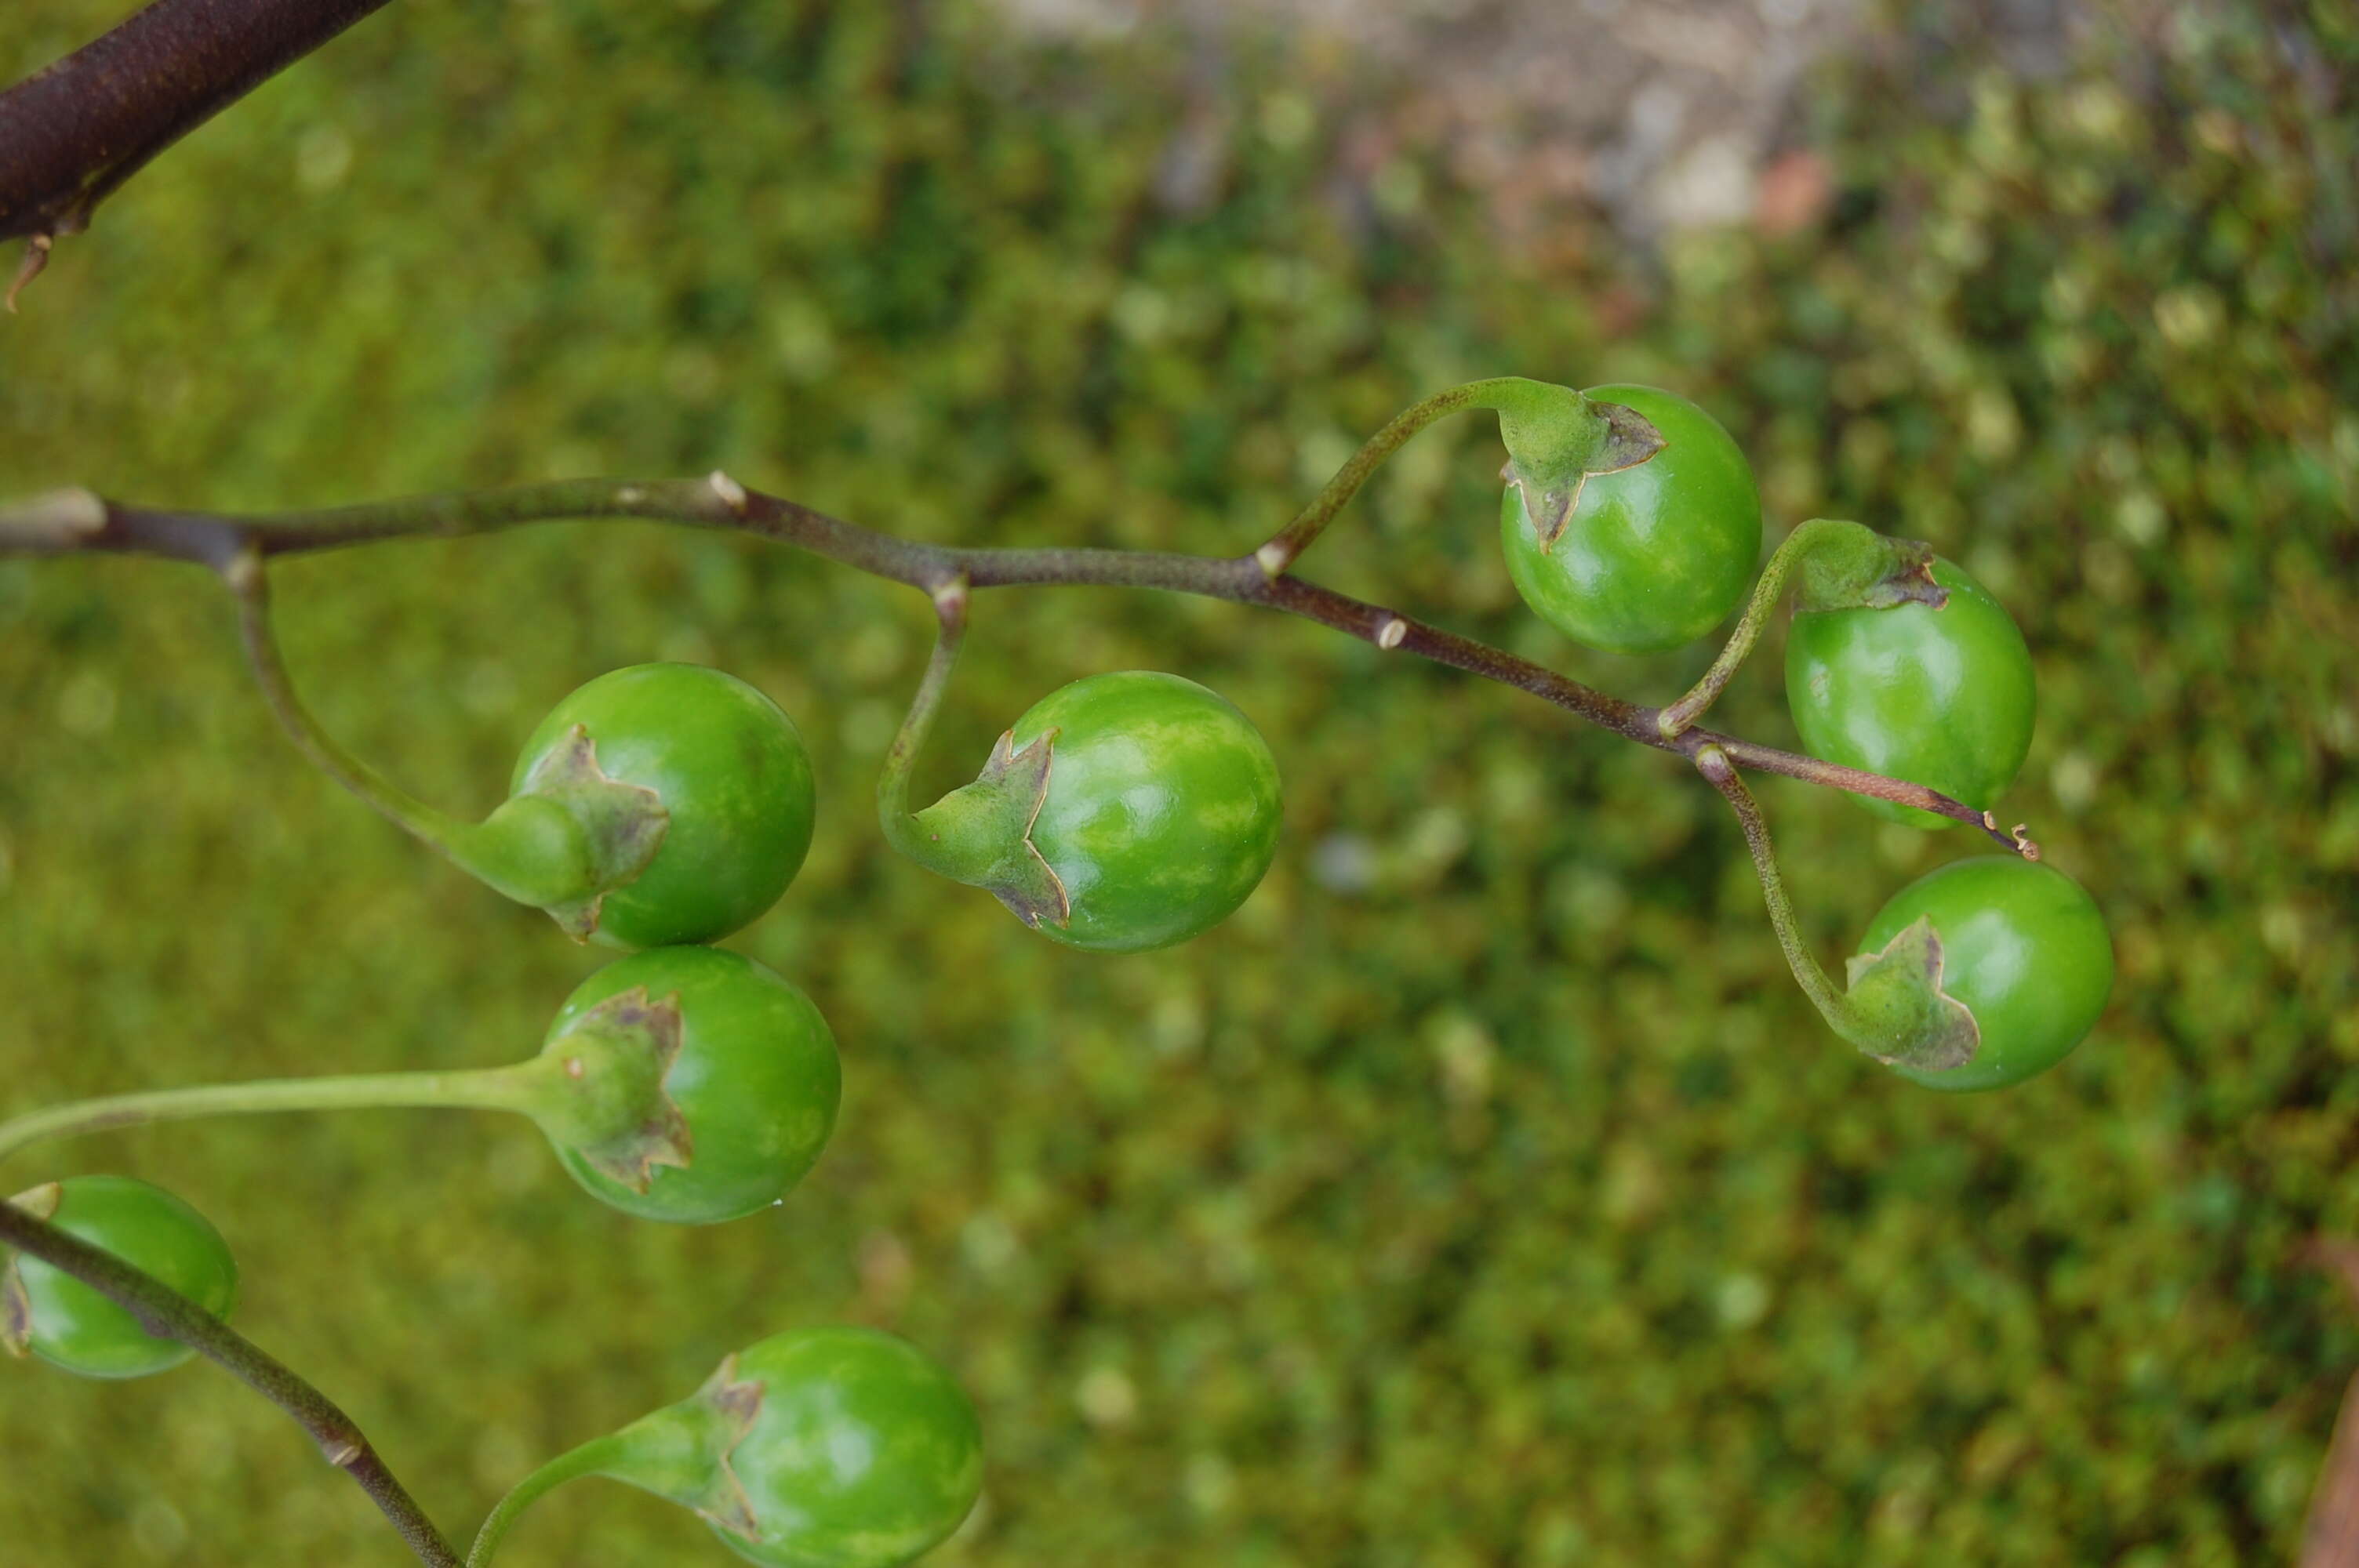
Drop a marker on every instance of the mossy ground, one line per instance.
(1483, 1192)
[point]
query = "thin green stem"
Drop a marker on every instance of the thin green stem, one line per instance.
(168, 1315)
(1286, 547)
(525, 1087)
(249, 581)
(1682, 715)
(591, 1459)
(1712, 763)
(902, 758)
(1840, 566)
(1894, 1008)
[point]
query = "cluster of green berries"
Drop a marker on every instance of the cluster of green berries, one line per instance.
(660, 808)
(1654, 556)
(1155, 809)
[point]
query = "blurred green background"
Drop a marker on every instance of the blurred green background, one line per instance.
(1485, 1192)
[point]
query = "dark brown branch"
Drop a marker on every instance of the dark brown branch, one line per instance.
(72, 132)
(164, 1312)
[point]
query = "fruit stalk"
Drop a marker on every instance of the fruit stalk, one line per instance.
(590, 1458)
(1893, 1013)
(1843, 564)
(588, 1087)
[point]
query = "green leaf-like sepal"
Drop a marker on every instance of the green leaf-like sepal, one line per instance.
(1897, 1011)
(734, 1404)
(1852, 567)
(683, 1451)
(982, 834)
(1558, 440)
(15, 1306)
(622, 825)
(609, 1104)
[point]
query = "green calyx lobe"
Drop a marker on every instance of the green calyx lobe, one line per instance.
(1556, 439)
(1897, 1010)
(1852, 567)
(604, 1096)
(568, 837)
(981, 833)
(683, 1452)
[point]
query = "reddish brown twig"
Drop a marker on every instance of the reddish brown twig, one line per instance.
(72, 132)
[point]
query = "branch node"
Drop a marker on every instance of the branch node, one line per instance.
(1392, 634)
(243, 571)
(1273, 559)
(2024, 845)
(731, 493)
(60, 520)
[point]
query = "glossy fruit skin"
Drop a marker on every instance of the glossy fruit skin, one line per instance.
(1940, 697)
(1162, 809)
(1655, 556)
(864, 1454)
(733, 776)
(756, 1078)
(2024, 947)
(73, 1327)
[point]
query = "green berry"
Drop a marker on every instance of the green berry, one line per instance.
(1653, 556)
(67, 1324)
(864, 1454)
(734, 780)
(756, 1081)
(1161, 812)
(2023, 947)
(1939, 697)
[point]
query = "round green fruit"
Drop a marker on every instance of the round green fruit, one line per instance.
(1162, 811)
(735, 783)
(67, 1324)
(861, 1453)
(2023, 947)
(756, 1080)
(1940, 697)
(1655, 556)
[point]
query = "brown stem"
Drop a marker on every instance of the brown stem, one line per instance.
(164, 1312)
(72, 521)
(72, 132)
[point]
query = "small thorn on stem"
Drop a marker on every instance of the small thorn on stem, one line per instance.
(1392, 634)
(37, 256)
(1990, 822)
(731, 493)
